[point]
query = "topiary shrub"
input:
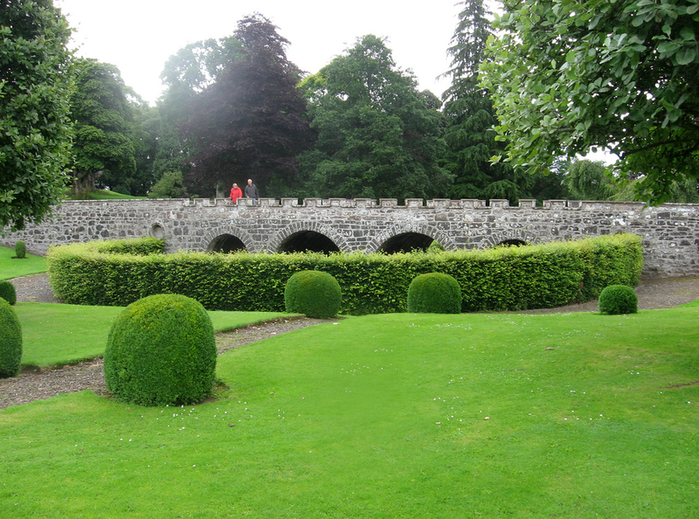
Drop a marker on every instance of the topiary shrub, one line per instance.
(8, 292)
(434, 293)
(20, 250)
(313, 293)
(10, 341)
(161, 351)
(618, 299)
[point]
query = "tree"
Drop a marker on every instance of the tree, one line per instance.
(35, 87)
(470, 116)
(377, 136)
(186, 75)
(250, 123)
(170, 185)
(589, 180)
(567, 76)
(104, 133)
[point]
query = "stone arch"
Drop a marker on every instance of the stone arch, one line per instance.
(227, 240)
(412, 235)
(313, 236)
(510, 237)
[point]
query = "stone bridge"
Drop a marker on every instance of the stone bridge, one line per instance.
(670, 232)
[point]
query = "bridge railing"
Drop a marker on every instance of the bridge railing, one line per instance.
(415, 203)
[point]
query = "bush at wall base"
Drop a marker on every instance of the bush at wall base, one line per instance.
(20, 250)
(161, 351)
(313, 293)
(10, 341)
(618, 299)
(434, 293)
(8, 292)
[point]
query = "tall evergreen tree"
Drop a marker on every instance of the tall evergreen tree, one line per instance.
(377, 135)
(250, 123)
(470, 118)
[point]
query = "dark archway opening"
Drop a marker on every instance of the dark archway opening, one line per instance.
(512, 243)
(226, 243)
(308, 241)
(406, 242)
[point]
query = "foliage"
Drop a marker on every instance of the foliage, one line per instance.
(186, 74)
(434, 293)
(377, 135)
(170, 185)
(8, 292)
(470, 116)
(251, 121)
(20, 250)
(512, 278)
(161, 351)
(103, 151)
(35, 86)
(532, 414)
(618, 299)
(681, 192)
(567, 76)
(313, 293)
(590, 180)
(10, 340)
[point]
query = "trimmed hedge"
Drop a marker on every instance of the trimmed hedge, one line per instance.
(161, 351)
(504, 278)
(10, 341)
(434, 293)
(313, 293)
(618, 299)
(20, 250)
(8, 292)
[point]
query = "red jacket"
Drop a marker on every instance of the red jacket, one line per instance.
(236, 193)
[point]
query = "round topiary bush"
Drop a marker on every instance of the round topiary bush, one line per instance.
(161, 351)
(313, 293)
(8, 292)
(20, 250)
(10, 341)
(434, 293)
(618, 299)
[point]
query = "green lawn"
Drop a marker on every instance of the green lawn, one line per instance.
(13, 268)
(63, 334)
(391, 416)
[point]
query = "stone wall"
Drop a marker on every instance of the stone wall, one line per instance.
(670, 232)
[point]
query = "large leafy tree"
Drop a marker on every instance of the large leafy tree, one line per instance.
(35, 87)
(186, 75)
(251, 122)
(377, 135)
(103, 153)
(567, 76)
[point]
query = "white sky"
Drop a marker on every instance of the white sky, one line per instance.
(138, 36)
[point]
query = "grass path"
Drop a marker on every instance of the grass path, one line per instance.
(13, 268)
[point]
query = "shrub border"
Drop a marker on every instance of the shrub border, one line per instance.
(118, 272)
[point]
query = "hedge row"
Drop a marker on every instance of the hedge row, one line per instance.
(515, 278)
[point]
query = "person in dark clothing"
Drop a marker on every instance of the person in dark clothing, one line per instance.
(251, 192)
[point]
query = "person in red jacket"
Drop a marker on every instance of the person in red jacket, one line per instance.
(236, 193)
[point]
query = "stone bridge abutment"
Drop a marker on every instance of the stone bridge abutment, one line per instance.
(670, 232)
